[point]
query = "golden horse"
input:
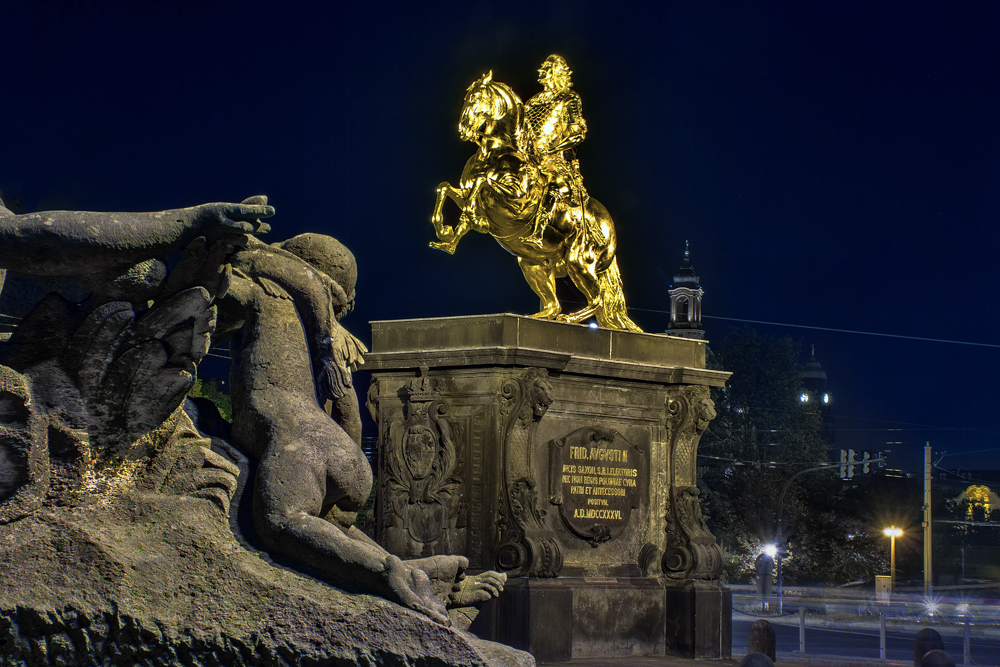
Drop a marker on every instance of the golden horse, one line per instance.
(499, 194)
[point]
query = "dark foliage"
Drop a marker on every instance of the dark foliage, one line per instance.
(764, 434)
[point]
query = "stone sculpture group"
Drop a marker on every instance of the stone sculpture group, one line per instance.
(115, 536)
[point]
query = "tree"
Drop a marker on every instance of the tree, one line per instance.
(764, 434)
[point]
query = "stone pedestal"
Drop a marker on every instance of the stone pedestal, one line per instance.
(564, 456)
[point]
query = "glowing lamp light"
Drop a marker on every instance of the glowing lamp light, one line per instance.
(593, 325)
(771, 550)
(804, 397)
(892, 533)
(826, 398)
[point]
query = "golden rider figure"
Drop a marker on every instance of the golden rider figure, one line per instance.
(555, 118)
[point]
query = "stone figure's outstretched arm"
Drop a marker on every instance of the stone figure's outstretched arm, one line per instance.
(348, 557)
(64, 243)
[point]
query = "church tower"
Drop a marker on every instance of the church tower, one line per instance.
(815, 385)
(685, 302)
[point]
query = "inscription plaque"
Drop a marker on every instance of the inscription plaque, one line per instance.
(597, 479)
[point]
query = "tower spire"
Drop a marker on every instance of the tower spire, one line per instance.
(685, 301)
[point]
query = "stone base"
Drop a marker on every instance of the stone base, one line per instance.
(568, 618)
(533, 615)
(699, 620)
(565, 457)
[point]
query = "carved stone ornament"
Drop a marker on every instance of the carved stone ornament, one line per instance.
(526, 547)
(597, 479)
(691, 550)
(421, 484)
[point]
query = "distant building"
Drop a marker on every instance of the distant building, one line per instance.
(816, 391)
(685, 302)
(967, 526)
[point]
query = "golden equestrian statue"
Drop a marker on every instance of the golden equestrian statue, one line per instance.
(523, 187)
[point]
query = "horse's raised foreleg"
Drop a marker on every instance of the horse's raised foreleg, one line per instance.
(542, 281)
(448, 235)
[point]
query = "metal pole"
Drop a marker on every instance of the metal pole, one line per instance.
(928, 584)
(802, 630)
(966, 658)
(781, 506)
(778, 554)
(892, 564)
(881, 635)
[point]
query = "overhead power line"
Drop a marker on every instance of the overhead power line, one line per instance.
(849, 331)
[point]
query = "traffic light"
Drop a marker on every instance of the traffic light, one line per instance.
(847, 462)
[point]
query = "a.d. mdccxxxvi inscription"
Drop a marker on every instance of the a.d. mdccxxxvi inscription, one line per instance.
(597, 477)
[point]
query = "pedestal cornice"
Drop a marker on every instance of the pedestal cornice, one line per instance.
(515, 340)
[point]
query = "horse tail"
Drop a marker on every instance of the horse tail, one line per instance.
(613, 314)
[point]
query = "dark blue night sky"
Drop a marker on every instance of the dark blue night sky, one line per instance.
(834, 165)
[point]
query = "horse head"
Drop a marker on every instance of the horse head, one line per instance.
(491, 110)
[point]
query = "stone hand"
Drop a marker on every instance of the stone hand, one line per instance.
(225, 219)
(413, 589)
(479, 588)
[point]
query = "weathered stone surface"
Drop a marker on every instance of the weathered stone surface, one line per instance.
(144, 578)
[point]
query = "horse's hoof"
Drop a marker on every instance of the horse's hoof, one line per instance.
(447, 247)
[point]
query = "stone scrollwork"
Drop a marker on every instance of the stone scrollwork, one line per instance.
(421, 485)
(526, 547)
(691, 550)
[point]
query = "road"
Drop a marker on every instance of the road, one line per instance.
(863, 642)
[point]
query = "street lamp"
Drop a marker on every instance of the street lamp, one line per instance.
(892, 533)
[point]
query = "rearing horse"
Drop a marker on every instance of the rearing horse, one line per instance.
(499, 194)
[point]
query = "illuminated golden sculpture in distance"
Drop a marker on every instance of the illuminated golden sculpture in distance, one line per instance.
(523, 187)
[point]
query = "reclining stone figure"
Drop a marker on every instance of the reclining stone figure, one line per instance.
(281, 305)
(290, 356)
